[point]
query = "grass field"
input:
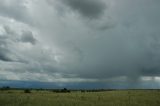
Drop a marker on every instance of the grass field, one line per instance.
(106, 98)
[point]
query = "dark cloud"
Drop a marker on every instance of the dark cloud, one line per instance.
(4, 49)
(87, 8)
(6, 54)
(153, 71)
(8, 44)
(3, 56)
(27, 37)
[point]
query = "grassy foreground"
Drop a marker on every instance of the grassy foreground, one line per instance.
(107, 98)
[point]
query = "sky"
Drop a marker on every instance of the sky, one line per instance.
(82, 43)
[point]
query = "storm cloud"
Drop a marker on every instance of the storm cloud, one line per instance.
(87, 8)
(28, 37)
(75, 41)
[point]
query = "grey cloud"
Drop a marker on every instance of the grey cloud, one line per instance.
(87, 8)
(73, 47)
(3, 56)
(8, 45)
(96, 15)
(123, 50)
(15, 9)
(4, 50)
(7, 55)
(8, 30)
(154, 71)
(27, 37)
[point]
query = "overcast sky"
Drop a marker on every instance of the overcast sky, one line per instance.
(76, 41)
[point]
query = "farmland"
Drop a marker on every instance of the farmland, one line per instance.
(77, 98)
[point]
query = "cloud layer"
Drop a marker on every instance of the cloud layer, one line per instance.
(87, 8)
(80, 41)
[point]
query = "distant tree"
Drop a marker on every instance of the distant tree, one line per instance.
(27, 91)
(5, 88)
(65, 90)
(83, 91)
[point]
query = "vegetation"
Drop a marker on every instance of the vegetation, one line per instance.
(27, 91)
(78, 98)
(65, 90)
(5, 88)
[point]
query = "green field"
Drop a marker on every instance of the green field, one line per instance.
(105, 98)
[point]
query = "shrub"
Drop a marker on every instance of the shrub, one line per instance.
(27, 91)
(65, 90)
(5, 88)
